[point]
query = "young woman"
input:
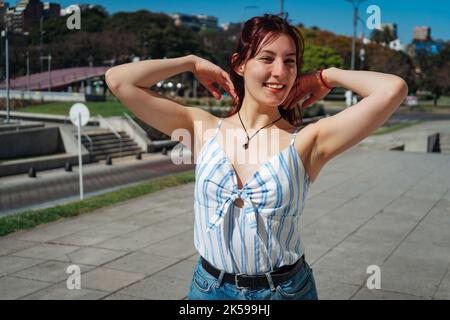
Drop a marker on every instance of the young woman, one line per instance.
(247, 211)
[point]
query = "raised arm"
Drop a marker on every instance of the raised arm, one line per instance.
(131, 83)
(382, 94)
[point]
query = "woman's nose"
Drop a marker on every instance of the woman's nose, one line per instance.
(279, 68)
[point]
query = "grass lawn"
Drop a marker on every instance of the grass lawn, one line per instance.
(29, 219)
(105, 109)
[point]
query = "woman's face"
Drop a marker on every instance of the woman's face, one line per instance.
(270, 75)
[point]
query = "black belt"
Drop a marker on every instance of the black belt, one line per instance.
(257, 281)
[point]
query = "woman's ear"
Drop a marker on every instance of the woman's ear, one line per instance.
(239, 69)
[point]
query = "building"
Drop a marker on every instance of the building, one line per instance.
(3, 9)
(392, 27)
(195, 22)
(27, 14)
(423, 42)
(422, 33)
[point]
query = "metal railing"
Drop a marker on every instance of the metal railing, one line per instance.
(110, 127)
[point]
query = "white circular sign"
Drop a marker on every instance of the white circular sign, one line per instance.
(79, 109)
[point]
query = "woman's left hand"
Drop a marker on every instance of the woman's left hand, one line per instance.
(306, 85)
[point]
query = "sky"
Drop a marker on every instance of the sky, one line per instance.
(332, 15)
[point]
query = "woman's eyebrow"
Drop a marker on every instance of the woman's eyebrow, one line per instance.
(268, 51)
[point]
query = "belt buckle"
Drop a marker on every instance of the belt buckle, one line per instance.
(236, 280)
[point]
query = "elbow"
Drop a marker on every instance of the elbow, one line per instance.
(112, 81)
(399, 90)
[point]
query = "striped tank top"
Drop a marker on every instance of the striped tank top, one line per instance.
(262, 235)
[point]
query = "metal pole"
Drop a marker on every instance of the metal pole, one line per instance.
(355, 20)
(40, 46)
(80, 159)
(49, 59)
(7, 74)
(28, 71)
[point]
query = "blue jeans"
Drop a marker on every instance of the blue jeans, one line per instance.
(301, 286)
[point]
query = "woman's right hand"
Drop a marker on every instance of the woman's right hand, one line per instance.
(208, 73)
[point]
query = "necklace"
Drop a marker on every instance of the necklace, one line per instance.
(248, 139)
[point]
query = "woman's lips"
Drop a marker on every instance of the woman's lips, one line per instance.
(275, 90)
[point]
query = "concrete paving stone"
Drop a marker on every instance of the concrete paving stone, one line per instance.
(150, 217)
(411, 275)
(9, 245)
(310, 215)
(435, 254)
(332, 290)
(177, 224)
(378, 294)
(349, 269)
(109, 280)
(94, 256)
(387, 227)
(10, 264)
(115, 228)
(194, 257)
(180, 246)
(159, 288)
(443, 292)
(121, 296)
(84, 238)
(325, 202)
(60, 291)
(138, 239)
(15, 288)
(427, 190)
(47, 252)
(314, 251)
(140, 262)
(405, 204)
(51, 231)
(49, 271)
(183, 270)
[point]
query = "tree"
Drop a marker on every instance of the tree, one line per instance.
(316, 57)
(435, 71)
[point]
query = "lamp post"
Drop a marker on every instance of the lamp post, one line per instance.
(28, 71)
(355, 4)
(5, 34)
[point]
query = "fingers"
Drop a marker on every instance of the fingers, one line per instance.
(214, 91)
(309, 101)
(228, 86)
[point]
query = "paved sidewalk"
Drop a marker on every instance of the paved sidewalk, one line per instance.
(368, 207)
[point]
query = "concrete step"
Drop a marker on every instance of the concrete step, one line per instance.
(105, 137)
(114, 144)
(109, 141)
(115, 150)
(116, 155)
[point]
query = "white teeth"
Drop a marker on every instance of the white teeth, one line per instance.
(274, 86)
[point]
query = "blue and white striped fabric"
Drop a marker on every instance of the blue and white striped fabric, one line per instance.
(262, 235)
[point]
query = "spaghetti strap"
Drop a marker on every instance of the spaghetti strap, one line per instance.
(294, 134)
(219, 123)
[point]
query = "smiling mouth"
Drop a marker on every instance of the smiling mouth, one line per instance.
(274, 87)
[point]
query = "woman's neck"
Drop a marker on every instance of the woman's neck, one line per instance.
(255, 115)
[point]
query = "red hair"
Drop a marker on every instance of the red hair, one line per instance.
(254, 32)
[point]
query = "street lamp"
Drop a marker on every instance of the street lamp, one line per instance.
(5, 34)
(355, 4)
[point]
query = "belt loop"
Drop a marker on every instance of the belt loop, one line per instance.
(220, 279)
(269, 279)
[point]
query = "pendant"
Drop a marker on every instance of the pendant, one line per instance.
(245, 146)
